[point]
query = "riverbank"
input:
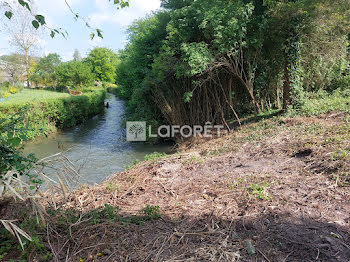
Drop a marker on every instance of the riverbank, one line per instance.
(97, 147)
(276, 190)
(43, 112)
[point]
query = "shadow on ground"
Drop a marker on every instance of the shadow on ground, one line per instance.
(274, 237)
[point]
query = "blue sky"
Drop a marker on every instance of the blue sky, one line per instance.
(101, 14)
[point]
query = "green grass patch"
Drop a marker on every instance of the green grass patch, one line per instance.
(45, 111)
(154, 156)
(323, 102)
(29, 95)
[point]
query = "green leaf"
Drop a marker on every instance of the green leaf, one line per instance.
(52, 34)
(35, 24)
(40, 19)
(8, 14)
(14, 141)
(188, 96)
(92, 36)
(24, 4)
(99, 33)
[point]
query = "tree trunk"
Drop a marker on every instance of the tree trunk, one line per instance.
(27, 67)
(286, 87)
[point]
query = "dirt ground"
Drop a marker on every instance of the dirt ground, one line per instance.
(272, 191)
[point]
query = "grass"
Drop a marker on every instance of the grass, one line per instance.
(28, 95)
(323, 102)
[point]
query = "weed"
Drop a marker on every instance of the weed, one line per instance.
(154, 156)
(109, 212)
(258, 190)
(152, 212)
(149, 213)
(342, 179)
(112, 187)
(341, 154)
(133, 164)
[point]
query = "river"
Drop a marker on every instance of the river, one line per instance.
(98, 147)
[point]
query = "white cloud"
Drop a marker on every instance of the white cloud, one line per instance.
(97, 41)
(122, 17)
(67, 56)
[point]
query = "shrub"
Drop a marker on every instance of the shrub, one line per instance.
(322, 102)
(44, 116)
(13, 90)
(74, 73)
(113, 88)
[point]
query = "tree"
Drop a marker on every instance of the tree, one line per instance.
(76, 55)
(75, 74)
(103, 62)
(38, 20)
(13, 66)
(45, 70)
(197, 61)
(23, 35)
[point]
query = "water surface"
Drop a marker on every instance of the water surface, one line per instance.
(98, 147)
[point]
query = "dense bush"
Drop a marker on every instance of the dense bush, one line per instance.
(195, 61)
(46, 115)
(322, 102)
(74, 73)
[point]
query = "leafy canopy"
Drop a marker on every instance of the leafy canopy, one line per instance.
(103, 62)
(45, 70)
(74, 74)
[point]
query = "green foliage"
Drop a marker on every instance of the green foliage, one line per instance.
(258, 190)
(10, 249)
(154, 156)
(111, 213)
(44, 72)
(74, 73)
(323, 102)
(12, 133)
(146, 37)
(185, 63)
(43, 115)
(133, 164)
(112, 187)
(103, 62)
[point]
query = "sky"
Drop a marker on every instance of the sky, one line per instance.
(101, 14)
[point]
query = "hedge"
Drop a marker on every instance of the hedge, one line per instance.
(45, 116)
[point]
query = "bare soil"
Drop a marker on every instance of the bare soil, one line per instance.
(276, 190)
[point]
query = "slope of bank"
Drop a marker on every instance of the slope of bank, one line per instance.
(277, 190)
(42, 112)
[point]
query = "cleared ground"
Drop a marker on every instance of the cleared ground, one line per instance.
(277, 190)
